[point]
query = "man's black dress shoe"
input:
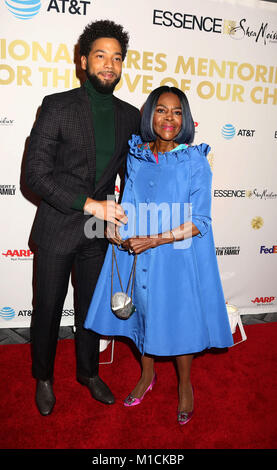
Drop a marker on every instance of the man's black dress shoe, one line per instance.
(98, 389)
(45, 398)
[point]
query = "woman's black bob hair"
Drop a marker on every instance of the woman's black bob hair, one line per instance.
(186, 134)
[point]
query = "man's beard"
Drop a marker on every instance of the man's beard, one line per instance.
(101, 87)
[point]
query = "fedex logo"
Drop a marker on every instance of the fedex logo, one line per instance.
(273, 249)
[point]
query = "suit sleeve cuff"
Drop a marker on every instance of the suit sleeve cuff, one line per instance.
(79, 202)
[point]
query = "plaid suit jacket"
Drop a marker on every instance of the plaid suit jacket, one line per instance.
(61, 164)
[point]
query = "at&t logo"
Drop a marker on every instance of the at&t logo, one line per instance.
(74, 7)
(23, 9)
(228, 131)
(27, 9)
(7, 313)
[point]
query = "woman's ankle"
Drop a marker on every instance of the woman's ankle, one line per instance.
(185, 397)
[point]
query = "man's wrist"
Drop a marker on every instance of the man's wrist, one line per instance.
(89, 206)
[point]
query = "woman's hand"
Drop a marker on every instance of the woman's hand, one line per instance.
(138, 245)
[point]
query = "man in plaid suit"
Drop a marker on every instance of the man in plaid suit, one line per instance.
(76, 149)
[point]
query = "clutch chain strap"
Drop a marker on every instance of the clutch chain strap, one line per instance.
(132, 274)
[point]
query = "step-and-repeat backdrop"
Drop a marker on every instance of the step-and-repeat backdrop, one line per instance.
(222, 54)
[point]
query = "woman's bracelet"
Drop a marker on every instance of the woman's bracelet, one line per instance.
(173, 235)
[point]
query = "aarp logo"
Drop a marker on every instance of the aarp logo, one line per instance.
(23, 9)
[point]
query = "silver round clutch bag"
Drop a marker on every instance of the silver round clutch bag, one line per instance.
(122, 305)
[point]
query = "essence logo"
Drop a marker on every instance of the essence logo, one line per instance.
(185, 21)
(23, 9)
(229, 193)
(68, 312)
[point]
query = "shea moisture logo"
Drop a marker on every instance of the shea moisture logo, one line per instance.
(264, 33)
(263, 194)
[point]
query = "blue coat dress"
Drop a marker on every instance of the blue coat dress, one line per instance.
(180, 306)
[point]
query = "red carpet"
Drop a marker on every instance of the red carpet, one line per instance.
(235, 401)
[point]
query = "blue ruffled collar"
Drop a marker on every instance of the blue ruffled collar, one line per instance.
(143, 153)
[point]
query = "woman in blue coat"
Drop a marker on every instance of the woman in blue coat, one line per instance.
(180, 306)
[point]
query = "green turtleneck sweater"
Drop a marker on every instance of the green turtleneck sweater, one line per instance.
(104, 133)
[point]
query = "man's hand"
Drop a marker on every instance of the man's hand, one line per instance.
(106, 210)
(111, 233)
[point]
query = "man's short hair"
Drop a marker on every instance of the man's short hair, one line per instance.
(103, 29)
